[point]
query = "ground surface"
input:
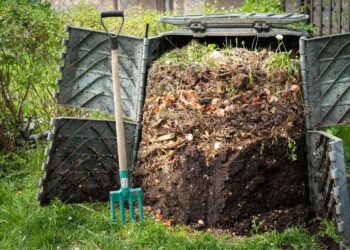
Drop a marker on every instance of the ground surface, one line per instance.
(26, 225)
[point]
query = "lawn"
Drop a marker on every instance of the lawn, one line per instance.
(26, 225)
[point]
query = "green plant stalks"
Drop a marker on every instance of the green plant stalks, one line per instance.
(257, 225)
(328, 229)
(282, 60)
(292, 150)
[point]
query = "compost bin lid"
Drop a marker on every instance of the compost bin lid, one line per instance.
(235, 20)
(238, 24)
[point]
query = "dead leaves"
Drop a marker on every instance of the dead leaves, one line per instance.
(164, 138)
(214, 109)
(149, 149)
(158, 216)
(189, 98)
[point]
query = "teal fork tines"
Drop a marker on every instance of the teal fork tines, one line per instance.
(126, 194)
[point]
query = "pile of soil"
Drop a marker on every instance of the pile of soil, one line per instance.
(223, 142)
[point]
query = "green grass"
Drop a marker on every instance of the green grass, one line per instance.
(328, 229)
(25, 225)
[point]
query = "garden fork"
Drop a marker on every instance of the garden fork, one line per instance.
(125, 193)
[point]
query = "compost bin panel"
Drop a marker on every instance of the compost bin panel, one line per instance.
(326, 79)
(82, 161)
(86, 75)
(328, 181)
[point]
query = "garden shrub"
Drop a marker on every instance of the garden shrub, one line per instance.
(30, 35)
(262, 6)
(87, 16)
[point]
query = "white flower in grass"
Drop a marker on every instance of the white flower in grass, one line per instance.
(279, 37)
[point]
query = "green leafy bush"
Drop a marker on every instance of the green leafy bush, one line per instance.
(29, 38)
(262, 6)
(30, 35)
(87, 16)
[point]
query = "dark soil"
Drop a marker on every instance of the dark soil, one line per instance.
(330, 244)
(237, 189)
(213, 157)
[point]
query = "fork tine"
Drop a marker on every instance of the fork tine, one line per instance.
(131, 208)
(121, 209)
(112, 207)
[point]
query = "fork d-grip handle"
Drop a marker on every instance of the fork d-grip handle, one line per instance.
(112, 13)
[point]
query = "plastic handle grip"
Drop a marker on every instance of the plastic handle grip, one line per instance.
(112, 13)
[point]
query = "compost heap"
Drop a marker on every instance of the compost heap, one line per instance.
(223, 138)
